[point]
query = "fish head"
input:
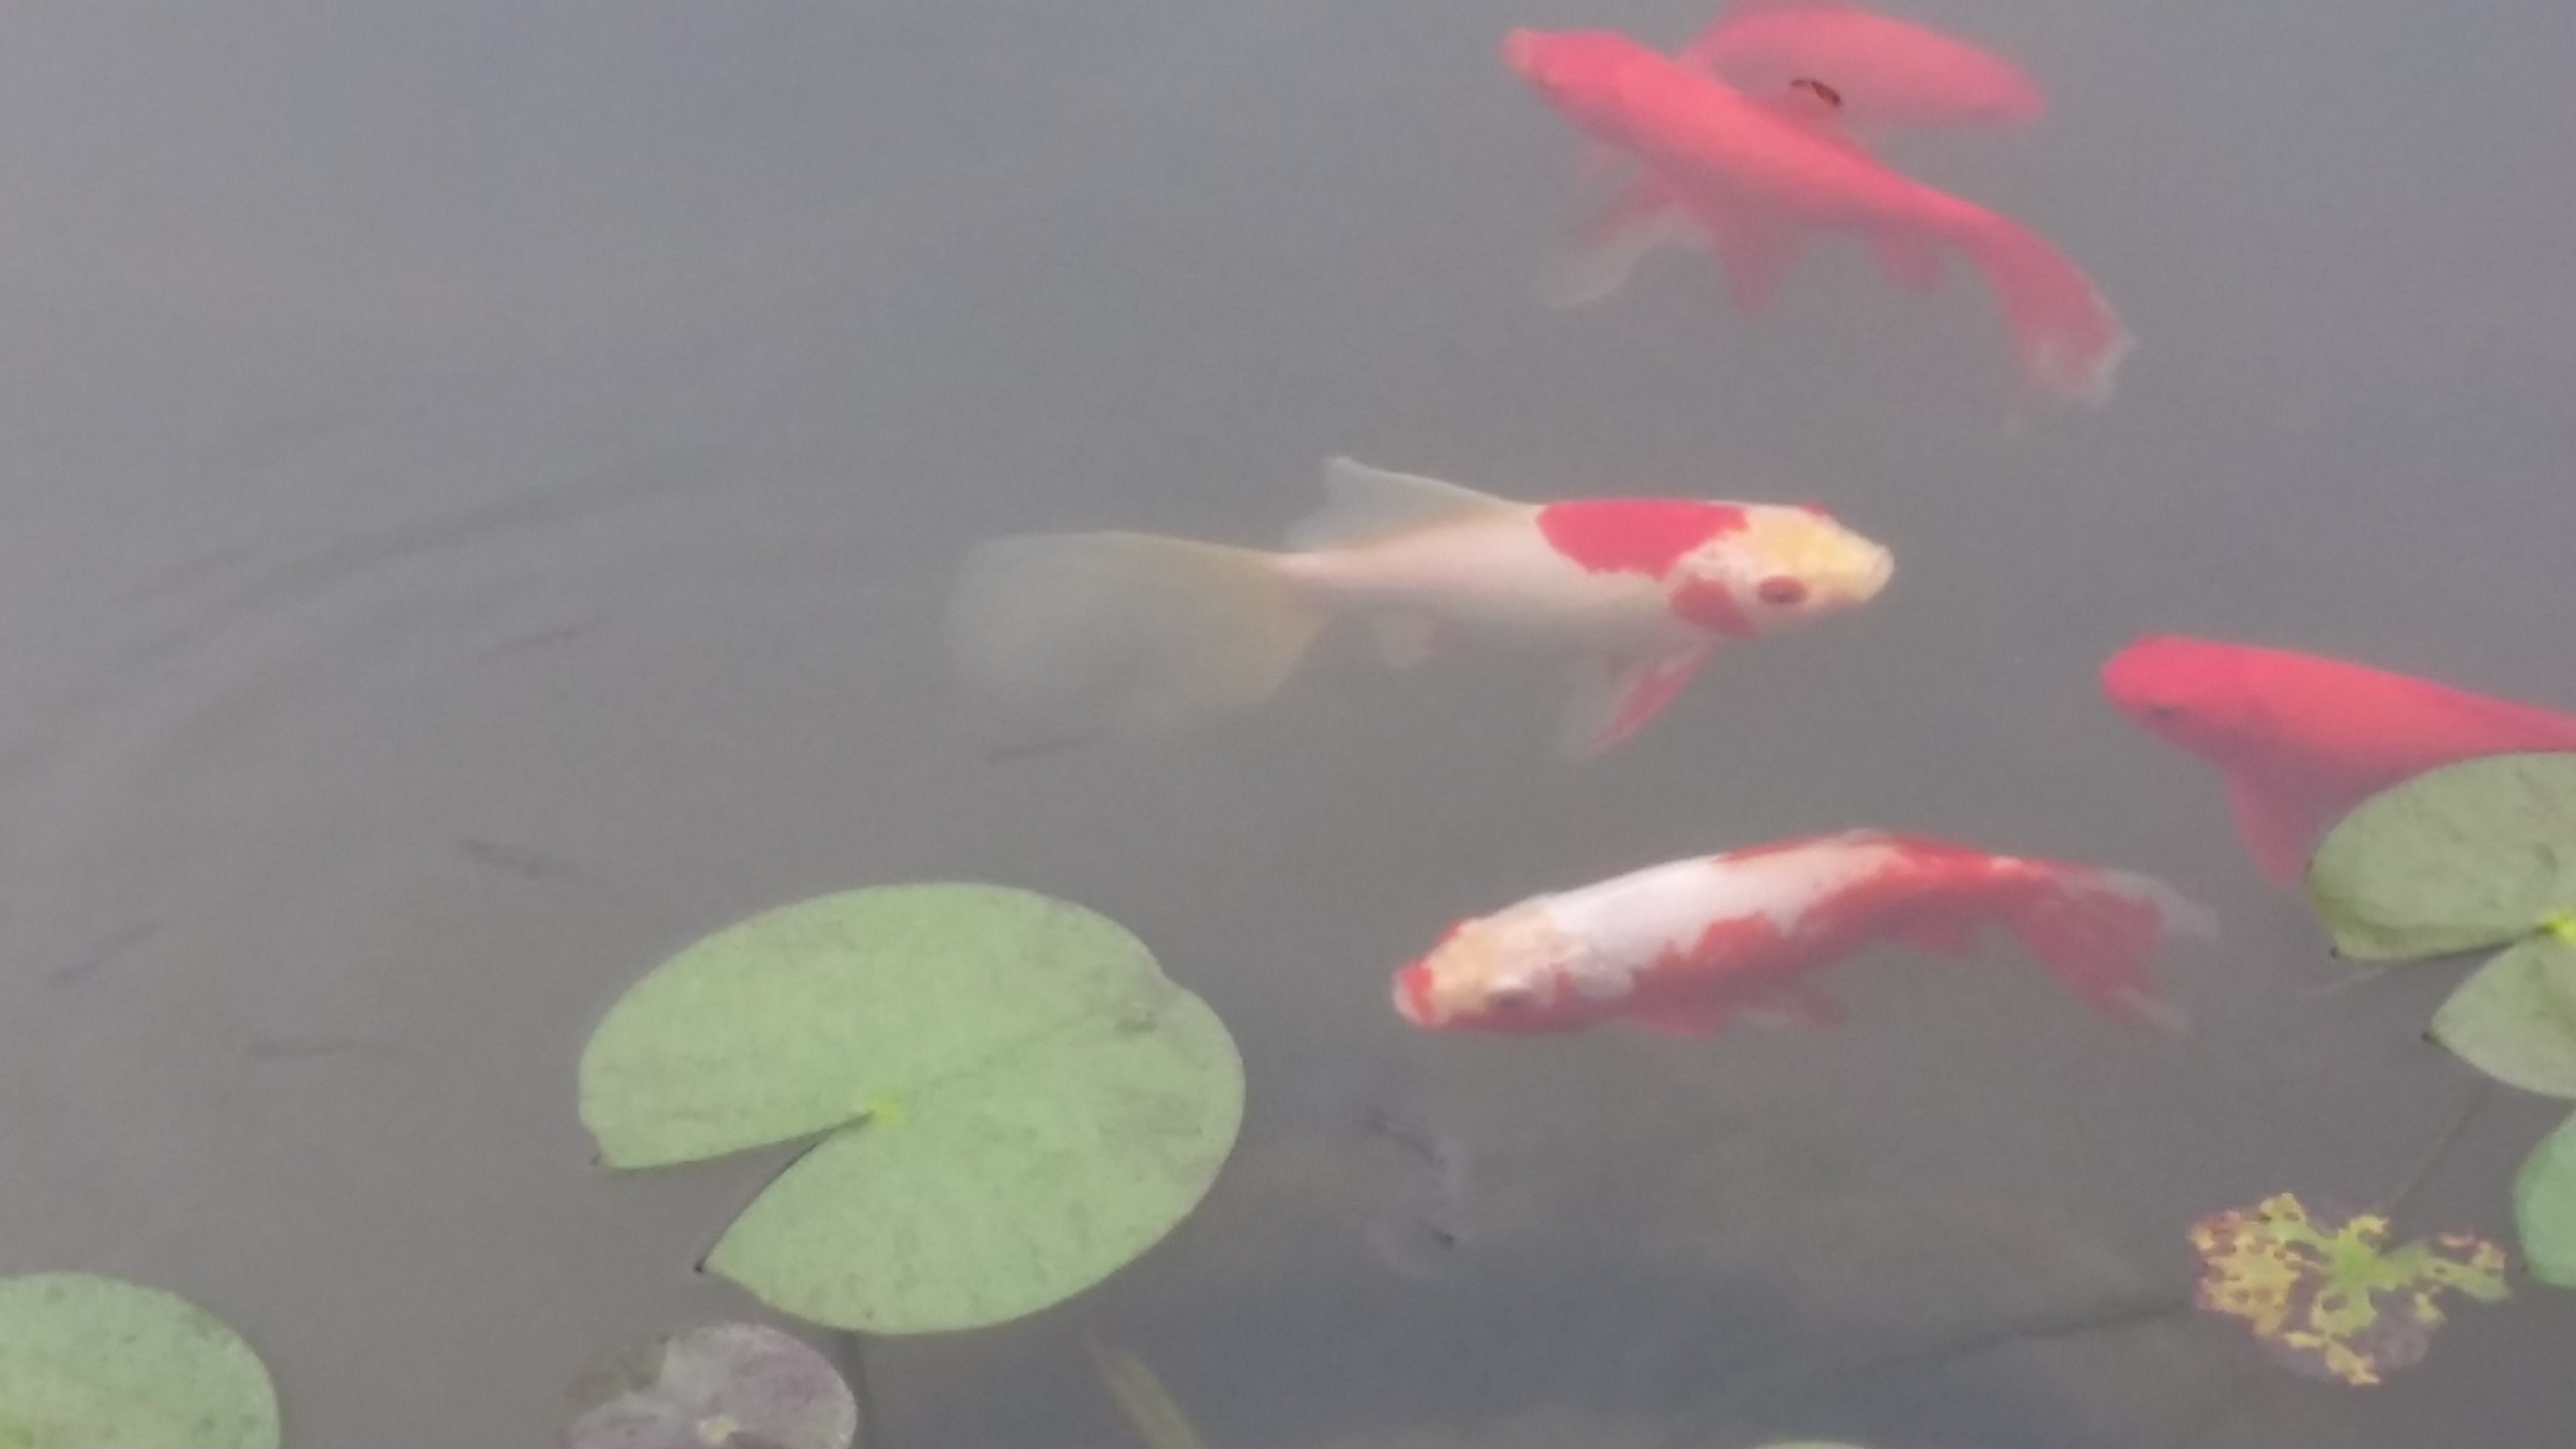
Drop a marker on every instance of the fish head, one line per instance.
(1785, 566)
(1506, 972)
(2187, 692)
(1574, 69)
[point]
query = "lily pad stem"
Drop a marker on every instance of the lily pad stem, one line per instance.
(2439, 1148)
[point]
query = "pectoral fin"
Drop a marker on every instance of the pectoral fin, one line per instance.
(1613, 699)
(1406, 641)
(2279, 829)
(1703, 1017)
(1795, 1007)
(1641, 218)
(1755, 247)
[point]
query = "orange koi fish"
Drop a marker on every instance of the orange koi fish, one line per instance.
(2302, 738)
(1694, 945)
(1755, 175)
(1887, 71)
(1109, 634)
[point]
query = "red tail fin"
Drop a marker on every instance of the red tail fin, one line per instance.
(2096, 930)
(2066, 338)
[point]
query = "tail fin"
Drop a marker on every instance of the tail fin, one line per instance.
(2096, 930)
(2067, 340)
(1125, 634)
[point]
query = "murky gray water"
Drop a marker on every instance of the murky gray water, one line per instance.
(480, 481)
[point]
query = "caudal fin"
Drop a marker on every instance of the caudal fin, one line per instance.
(2066, 339)
(1125, 634)
(2097, 930)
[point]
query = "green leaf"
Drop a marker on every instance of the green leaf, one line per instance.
(721, 1384)
(94, 1363)
(2469, 855)
(2515, 1018)
(2544, 1207)
(1018, 1101)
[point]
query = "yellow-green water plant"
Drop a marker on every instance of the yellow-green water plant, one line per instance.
(718, 1386)
(96, 1363)
(2471, 857)
(1006, 1099)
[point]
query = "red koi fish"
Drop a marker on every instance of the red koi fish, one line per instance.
(1691, 946)
(1104, 634)
(1755, 175)
(2302, 738)
(1887, 71)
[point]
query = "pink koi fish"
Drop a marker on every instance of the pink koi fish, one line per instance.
(2303, 738)
(1887, 71)
(1111, 634)
(1691, 946)
(1754, 176)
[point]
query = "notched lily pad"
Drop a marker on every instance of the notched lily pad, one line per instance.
(721, 1386)
(2326, 1299)
(2544, 1207)
(1016, 1100)
(95, 1363)
(2470, 855)
(2515, 1018)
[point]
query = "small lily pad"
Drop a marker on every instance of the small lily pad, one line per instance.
(2474, 854)
(2326, 1299)
(2544, 1207)
(95, 1363)
(721, 1386)
(2515, 1018)
(1015, 1100)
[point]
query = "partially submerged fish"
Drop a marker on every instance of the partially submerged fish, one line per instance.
(2302, 738)
(1756, 175)
(1130, 634)
(1692, 946)
(1887, 71)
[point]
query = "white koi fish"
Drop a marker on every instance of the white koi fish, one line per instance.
(1131, 634)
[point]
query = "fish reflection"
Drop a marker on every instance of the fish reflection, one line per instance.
(1111, 634)
(1695, 945)
(1754, 175)
(2302, 738)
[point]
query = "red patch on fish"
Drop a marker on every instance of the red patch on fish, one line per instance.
(1635, 535)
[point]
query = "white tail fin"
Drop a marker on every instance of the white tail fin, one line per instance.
(2067, 339)
(2096, 930)
(1126, 634)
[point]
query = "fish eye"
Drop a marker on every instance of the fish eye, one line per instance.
(1780, 591)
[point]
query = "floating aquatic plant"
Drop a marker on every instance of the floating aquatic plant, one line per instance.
(1012, 1100)
(720, 1386)
(2329, 1299)
(2468, 857)
(95, 1363)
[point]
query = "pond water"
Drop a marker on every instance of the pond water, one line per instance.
(482, 481)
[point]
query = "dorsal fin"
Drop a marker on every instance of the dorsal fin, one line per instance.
(1362, 503)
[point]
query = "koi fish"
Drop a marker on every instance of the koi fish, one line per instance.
(1131, 634)
(2302, 738)
(1755, 175)
(1887, 71)
(1689, 947)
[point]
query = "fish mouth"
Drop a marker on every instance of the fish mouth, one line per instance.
(1413, 996)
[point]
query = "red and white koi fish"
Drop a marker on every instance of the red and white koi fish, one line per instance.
(1887, 71)
(1691, 946)
(1104, 634)
(2302, 738)
(1755, 175)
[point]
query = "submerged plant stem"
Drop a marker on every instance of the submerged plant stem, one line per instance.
(2439, 1148)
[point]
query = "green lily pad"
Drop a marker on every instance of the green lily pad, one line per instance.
(2470, 855)
(95, 1363)
(2544, 1207)
(2515, 1017)
(2329, 1299)
(1017, 1101)
(721, 1386)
